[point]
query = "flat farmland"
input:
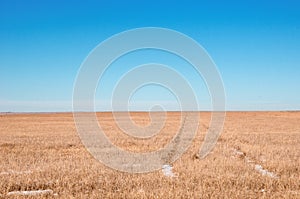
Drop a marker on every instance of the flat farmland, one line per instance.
(256, 156)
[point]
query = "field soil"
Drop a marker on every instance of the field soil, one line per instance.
(256, 156)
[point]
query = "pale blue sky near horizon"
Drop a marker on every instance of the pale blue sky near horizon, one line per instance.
(255, 45)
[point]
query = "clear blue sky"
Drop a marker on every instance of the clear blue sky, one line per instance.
(255, 44)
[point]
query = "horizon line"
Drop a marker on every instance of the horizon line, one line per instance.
(53, 112)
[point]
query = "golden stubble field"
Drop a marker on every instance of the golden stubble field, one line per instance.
(257, 156)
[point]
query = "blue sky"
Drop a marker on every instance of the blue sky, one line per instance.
(255, 45)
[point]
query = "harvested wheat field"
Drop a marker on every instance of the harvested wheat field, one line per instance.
(257, 156)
